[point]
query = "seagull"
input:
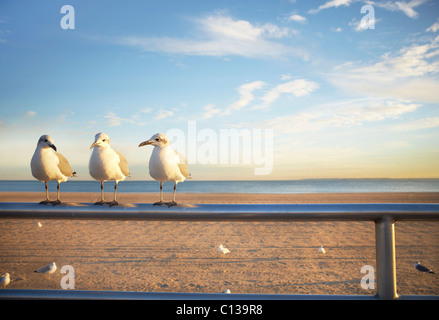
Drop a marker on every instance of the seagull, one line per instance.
(107, 164)
(421, 268)
(166, 164)
(227, 291)
(5, 279)
(48, 165)
(223, 250)
(49, 269)
(322, 250)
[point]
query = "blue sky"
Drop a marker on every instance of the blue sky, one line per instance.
(342, 100)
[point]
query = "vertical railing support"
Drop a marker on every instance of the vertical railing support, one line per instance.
(385, 258)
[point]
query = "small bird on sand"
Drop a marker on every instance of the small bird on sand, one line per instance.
(5, 279)
(107, 164)
(422, 268)
(49, 269)
(322, 250)
(223, 250)
(49, 165)
(166, 164)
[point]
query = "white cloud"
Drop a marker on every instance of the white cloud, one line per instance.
(298, 88)
(409, 74)
(221, 35)
(114, 120)
(30, 114)
(225, 27)
(162, 114)
(297, 18)
(406, 7)
(246, 96)
(434, 27)
(359, 25)
(347, 114)
(145, 110)
(420, 124)
(332, 4)
(210, 111)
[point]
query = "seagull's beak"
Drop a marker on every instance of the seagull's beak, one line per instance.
(144, 143)
(52, 146)
(93, 145)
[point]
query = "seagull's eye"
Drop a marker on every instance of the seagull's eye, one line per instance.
(157, 139)
(103, 140)
(45, 140)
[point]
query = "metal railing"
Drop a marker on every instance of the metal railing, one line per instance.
(384, 216)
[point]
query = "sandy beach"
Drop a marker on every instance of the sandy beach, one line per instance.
(189, 198)
(265, 257)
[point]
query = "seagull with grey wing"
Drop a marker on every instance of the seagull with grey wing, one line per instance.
(49, 165)
(422, 268)
(223, 250)
(166, 164)
(49, 269)
(5, 279)
(107, 164)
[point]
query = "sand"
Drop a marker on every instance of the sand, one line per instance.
(265, 257)
(188, 198)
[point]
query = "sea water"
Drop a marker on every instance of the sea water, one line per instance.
(261, 186)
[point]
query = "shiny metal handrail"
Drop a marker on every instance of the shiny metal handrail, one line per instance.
(384, 216)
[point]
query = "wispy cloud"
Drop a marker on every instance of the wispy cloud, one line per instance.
(210, 111)
(221, 35)
(246, 96)
(265, 99)
(297, 18)
(30, 114)
(162, 114)
(346, 114)
(419, 124)
(406, 7)
(411, 74)
(4, 33)
(297, 88)
(434, 27)
(332, 4)
(115, 120)
(358, 25)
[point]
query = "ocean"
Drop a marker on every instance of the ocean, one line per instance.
(262, 186)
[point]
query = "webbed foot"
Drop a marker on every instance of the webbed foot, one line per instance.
(112, 203)
(54, 203)
(171, 204)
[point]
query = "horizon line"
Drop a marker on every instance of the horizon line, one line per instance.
(207, 180)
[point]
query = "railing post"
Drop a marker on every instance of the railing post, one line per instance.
(385, 258)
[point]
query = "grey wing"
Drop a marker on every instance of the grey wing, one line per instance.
(123, 164)
(43, 269)
(183, 166)
(64, 165)
(422, 268)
